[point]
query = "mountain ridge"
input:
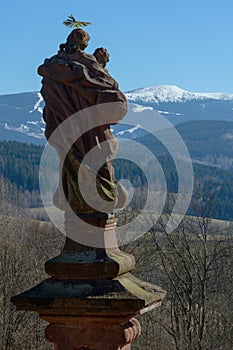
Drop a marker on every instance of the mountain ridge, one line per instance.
(21, 114)
(172, 93)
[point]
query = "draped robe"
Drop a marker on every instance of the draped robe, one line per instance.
(70, 84)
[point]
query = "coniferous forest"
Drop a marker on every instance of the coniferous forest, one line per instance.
(19, 169)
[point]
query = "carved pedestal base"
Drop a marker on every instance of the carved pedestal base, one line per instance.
(91, 297)
(93, 334)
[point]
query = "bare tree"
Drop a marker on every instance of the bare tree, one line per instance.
(22, 256)
(194, 264)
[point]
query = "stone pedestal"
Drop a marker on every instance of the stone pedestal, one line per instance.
(92, 333)
(91, 297)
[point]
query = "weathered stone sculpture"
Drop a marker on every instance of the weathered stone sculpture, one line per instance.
(91, 298)
(74, 80)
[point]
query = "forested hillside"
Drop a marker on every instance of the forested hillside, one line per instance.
(206, 140)
(19, 169)
(209, 141)
(19, 163)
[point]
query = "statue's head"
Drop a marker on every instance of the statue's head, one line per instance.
(77, 40)
(102, 56)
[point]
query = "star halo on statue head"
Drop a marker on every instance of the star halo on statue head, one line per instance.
(71, 22)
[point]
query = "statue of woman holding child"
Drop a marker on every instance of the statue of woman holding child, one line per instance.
(74, 80)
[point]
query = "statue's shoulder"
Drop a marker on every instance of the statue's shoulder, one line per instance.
(56, 59)
(51, 62)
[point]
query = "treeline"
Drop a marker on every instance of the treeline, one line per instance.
(19, 177)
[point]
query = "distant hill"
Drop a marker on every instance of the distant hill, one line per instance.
(210, 142)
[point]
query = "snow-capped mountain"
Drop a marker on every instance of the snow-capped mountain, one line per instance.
(173, 94)
(21, 114)
(178, 105)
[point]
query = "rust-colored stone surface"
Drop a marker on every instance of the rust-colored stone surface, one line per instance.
(90, 298)
(79, 262)
(91, 308)
(93, 334)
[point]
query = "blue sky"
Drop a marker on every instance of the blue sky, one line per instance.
(178, 42)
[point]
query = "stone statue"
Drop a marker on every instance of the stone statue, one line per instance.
(72, 81)
(91, 297)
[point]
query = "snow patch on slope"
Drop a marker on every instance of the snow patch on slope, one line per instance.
(37, 106)
(22, 128)
(31, 128)
(168, 113)
(138, 108)
(131, 130)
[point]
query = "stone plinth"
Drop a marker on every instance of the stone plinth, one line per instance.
(91, 297)
(92, 333)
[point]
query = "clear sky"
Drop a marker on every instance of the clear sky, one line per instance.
(151, 42)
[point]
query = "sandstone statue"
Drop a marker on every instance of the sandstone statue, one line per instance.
(74, 80)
